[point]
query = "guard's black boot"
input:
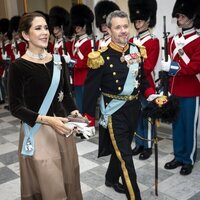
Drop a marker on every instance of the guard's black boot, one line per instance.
(173, 164)
(186, 169)
(145, 154)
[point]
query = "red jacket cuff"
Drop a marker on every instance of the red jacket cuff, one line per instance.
(148, 92)
(91, 119)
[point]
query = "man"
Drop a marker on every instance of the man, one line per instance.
(118, 74)
(102, 10)
(18, 46)
(184, 66)
(6, 56)
(143, 16)
(59, 22)
(59, 25)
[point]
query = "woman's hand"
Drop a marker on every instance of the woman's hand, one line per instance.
(59, 124)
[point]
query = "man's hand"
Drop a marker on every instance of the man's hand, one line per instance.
(76, 113)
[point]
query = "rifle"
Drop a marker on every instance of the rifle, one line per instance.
(64, 40)
(3, 46)
(16, 46)
(163, 76)
(64, 48)
(94, 48)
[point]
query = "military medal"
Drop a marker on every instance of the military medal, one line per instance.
(60, 96)
(28, 145)
(122, 59)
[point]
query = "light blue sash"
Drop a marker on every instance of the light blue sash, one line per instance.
(129, 86)
(28, 146)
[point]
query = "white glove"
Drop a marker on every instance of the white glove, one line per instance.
(88, 132)
(4, 56)
(17, 55)
(165, 66)
(162, 93)
(153, 96)
(67, 58)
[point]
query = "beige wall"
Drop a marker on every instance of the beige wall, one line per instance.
(64, 3)
(9, 8)
(3, 13)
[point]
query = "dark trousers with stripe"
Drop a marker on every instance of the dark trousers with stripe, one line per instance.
(121, 127)
(185, 130)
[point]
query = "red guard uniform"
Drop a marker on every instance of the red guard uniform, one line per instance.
(184, 48)
(152, 46)
(80, 50)
(186, 83)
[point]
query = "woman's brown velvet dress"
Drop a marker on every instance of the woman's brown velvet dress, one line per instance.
(53, 172)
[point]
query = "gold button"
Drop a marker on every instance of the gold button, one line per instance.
(114, 73)
(108, 58)
(111, 65)
(130, 98)
(117, 81)
(119, 88)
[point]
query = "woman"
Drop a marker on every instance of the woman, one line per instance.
(52, 173)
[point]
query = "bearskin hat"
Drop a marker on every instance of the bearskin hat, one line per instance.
(190, 8)
(102, 10)
(4, 25)
(143, 10)
(14, 23)
(13, 26)
(58, 16)
(82, 15)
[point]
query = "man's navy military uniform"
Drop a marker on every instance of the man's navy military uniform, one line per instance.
(120, 86)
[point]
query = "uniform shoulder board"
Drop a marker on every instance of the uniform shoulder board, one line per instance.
(95, 60)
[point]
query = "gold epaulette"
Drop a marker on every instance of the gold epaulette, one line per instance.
(95, 60)
(143, 51)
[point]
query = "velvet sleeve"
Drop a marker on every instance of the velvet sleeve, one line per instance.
(16, 94)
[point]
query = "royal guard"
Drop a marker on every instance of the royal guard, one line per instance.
(81, 27)
(59, 25)
(5, 42)
(102, 10)
(143, 16)
(18, 46)
(183, 67)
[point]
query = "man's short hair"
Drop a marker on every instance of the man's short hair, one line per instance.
(116, 13)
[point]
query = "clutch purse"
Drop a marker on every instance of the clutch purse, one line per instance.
(77, 119)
